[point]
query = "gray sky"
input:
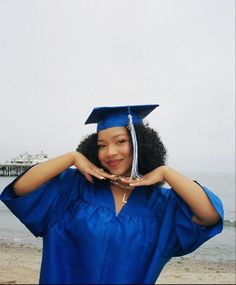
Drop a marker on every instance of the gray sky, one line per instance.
(59, 59)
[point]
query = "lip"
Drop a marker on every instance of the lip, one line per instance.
(114, 162)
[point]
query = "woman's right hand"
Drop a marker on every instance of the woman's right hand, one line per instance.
(88, 169)
(45, 171)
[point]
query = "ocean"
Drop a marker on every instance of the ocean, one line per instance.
(221, 247)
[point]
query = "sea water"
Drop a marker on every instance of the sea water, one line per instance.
(220, 247)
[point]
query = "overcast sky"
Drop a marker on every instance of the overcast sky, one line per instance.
(59, 59)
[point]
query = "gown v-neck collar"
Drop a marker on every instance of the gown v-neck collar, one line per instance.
(126, 205)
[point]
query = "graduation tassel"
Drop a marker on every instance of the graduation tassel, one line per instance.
(134, 170)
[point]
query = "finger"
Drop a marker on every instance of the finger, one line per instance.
(139, 183)
(97, 175)
(128, 180)
(101, 172)
(88, 177)
(108, 175)
(125, 180)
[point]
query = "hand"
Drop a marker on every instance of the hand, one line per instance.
(153, 177)
(88, 169)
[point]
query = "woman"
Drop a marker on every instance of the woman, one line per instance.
(109, 220)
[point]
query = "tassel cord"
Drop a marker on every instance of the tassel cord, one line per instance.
(134, 171)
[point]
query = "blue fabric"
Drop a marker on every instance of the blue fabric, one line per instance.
(85, 242)
(117, 116)
(118, 120)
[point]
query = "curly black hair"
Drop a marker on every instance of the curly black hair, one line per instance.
(151, 151)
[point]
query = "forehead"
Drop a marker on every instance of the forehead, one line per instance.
(112, 132)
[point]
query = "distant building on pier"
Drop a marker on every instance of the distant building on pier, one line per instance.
(21, 163)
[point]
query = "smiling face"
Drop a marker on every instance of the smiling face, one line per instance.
(115, 151)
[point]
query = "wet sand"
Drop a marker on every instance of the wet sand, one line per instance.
(21, 265)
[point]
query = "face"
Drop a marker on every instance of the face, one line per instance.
(115, 151)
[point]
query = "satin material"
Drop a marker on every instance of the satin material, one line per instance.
(117, 116)
(86, 242)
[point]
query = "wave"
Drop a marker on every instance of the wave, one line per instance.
(229, 223)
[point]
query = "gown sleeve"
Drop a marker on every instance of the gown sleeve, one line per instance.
(180, 234)
(42, 208)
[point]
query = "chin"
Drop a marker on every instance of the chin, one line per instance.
(120, 173)
(117, 173)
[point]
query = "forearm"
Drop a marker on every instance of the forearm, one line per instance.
(42, 173)
(193, 195)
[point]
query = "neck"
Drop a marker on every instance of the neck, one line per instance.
(124, 190)
(121, 185)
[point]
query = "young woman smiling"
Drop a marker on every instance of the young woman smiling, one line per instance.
(109, 220)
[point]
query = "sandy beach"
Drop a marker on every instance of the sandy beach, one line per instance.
(20, 265)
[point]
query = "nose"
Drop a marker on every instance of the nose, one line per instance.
(111, 151)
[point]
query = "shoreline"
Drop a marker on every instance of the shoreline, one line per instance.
(21, 265)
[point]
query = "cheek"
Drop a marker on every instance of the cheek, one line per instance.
(100, 156)
(128, 151)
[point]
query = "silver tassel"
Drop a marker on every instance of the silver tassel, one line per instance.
(134, 170)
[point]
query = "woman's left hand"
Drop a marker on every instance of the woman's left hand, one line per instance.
(153, 177)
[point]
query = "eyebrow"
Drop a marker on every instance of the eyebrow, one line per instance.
(115, 136)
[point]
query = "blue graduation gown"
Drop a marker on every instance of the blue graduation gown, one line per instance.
(84, 241)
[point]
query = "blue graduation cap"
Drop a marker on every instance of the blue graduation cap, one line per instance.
(108, 117)
(122, 116)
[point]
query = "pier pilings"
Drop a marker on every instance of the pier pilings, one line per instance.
(13, 169)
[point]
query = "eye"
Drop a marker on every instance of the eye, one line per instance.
(121, 141)
(101, 146)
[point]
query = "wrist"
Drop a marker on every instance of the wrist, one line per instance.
(73, 155)
(165, 170)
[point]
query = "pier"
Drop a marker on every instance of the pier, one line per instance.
(12, 169)
(21, 163)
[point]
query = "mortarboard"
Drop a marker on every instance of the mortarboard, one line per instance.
(121, 116)
(108, 117)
